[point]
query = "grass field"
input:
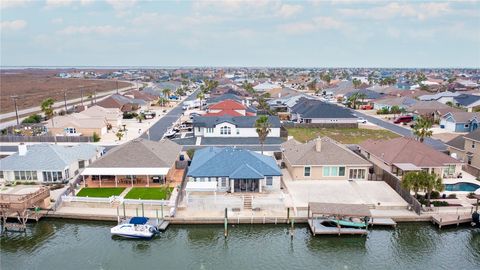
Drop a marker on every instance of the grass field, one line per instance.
(149, 193)
(100, 192)
(342, 135)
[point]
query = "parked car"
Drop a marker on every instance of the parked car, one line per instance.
(403, 119)
(184, 127)
(361, 120)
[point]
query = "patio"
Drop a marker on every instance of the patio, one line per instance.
(173, 177)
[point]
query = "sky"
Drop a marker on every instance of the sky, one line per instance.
(261, 33)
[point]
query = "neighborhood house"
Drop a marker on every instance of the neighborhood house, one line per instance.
(228, 126)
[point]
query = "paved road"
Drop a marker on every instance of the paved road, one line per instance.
(437, 144)
(160, 127)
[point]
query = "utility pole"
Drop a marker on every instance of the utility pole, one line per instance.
(95, 93)
(16, 109)
(65, 100)
(117, 85)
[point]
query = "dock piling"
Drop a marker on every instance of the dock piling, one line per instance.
(143, 211)
(225, 232)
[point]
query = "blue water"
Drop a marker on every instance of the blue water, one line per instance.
(461, 186)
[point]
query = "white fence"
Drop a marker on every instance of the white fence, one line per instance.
(113, 199)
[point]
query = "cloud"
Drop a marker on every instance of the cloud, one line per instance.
(57, 21)
(315, 24)
(174, 23)
(58, 3)
(13, 3)
(101, 30)
(12, 25)
(121, 4)
(287, 10)
(394, 10)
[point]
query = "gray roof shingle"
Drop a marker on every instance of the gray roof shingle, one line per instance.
(310, 108)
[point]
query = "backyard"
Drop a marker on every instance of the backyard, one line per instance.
(162, 193)
(342, 135)
(100, 192)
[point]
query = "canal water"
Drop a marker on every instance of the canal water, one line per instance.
(60, 244)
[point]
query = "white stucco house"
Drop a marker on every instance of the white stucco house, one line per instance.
(232, 127)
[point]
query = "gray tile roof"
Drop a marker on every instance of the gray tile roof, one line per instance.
(46, 157)
(309, 108)
(457, 142)
(238, 121)
(140, 153)
(331, 153)
(466, 100)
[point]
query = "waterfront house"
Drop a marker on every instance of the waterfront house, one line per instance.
(323, 159)
(138, 162)
(48, 163)
(466, 148)
(460, 121)
(310, 111)
(232, 126)
(400, 155)
(233, 170)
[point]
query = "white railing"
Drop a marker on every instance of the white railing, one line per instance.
(85, 199)
(113, 199)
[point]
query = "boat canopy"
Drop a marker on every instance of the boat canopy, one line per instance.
(138, 220)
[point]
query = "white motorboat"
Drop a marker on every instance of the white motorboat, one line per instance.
(136, 227)
(170, 133)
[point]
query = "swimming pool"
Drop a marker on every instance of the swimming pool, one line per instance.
(462, 186)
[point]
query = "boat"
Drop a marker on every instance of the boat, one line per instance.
(170, 133)
(343, 224)
(136, 227)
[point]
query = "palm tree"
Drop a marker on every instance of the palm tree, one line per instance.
(47, 108)
(362, 97)
(421, 128)
(431, 182)
(412, 181)
(162, 101)
(263, 128)
(119, 135)
(356, 83)
(166, 93)
(201, 96)
(353, 100)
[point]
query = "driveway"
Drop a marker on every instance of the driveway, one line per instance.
(436, 144)
(159, 128)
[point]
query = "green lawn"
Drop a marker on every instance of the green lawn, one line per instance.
(100, 192)
(149, 193)
(342, 135)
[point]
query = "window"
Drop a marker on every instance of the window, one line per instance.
(225, 130)
(306, 171)
(238, 131)
(467, 125)
(326, 171)
(469, 160)
(341, 171)
(357, 174)
(81, 164)
(209, 130)
(451, 169)
(1, 175)
(473, 144)
(70, 130)
(223, 181)
(270, 180)
(334, 171)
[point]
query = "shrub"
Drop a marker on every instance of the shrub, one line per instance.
(129, 115)
(96, 138)
(435, 195)
(440, 203)
(470, 195)
(452, 196)
(32, 119)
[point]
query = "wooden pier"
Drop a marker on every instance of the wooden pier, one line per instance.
(20, 206)
(451, 219)
(382, 222)
(319, 213)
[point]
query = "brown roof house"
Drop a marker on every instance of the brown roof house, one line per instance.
(431, 108)
(123, 103)
(323, 159)
(76, 124)
(111, 115)
(402, 154)
(138, 162)
(466, 148)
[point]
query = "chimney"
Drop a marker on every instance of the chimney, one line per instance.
(22, 149)
(318, 145)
